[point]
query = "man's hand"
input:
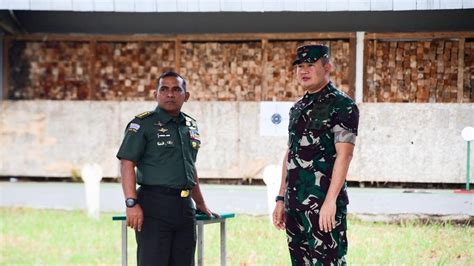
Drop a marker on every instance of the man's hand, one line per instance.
(135, 217)
(327, 216)
(203, 208)
(279, 215)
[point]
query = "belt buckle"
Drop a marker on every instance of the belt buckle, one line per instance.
(184, 193)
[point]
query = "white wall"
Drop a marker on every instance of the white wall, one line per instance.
(397, 142)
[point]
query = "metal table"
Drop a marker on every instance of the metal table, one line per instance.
(201, 220)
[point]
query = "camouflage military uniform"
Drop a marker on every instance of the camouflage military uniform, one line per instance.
(317, 122)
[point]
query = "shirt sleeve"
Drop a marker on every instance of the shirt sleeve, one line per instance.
(133, 144)
(347, 123)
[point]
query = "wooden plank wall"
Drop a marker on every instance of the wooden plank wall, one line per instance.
(217, 68)
(418, 68)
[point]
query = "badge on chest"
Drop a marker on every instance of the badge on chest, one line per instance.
(164, 138)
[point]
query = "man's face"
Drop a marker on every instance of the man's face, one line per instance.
(313, 76)
(171, 95)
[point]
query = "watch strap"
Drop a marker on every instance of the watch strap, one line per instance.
(279, 198)
(130, 202)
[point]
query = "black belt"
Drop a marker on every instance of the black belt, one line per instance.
(183, 193)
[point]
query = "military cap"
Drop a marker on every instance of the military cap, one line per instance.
(310, 53)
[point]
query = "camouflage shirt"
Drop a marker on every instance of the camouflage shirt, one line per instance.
(317, 122)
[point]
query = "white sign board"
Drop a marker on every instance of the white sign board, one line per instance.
(274, 118)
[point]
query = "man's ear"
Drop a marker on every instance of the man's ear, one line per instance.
(155, 94)
(186, 96)
(328, 67)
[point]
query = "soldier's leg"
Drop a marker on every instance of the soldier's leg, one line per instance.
(155, 238)
(184, 239)
(297, 238)
(329, 248)
(153, 243)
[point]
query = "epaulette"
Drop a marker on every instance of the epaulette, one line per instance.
(144, 114)
(190, 122)
(189, 117)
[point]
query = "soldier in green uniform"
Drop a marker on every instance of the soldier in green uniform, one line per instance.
(162, 145)
(312, 201)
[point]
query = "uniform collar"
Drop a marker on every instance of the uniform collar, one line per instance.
(319, 94)
(164, 117)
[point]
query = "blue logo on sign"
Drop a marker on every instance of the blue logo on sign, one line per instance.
(276, 119)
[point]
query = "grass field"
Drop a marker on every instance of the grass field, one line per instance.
(50, 237)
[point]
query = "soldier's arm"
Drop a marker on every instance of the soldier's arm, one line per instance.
(327, 216)
(199, 199)
(279, 211)
(134, 214)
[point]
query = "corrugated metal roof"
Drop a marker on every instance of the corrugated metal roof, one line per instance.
(234, 5)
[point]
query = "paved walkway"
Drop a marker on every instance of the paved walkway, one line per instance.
(244, 199)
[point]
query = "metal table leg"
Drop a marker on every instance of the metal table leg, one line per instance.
(223, 248)
(124, 243)
(200, 240)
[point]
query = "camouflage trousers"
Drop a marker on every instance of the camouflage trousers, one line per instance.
(309, 245)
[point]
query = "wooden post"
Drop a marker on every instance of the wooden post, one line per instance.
(92, 79)
(6, 71)
(461, 70)
(177, 54)
(262, 94)
(352, 68)
(365, 89)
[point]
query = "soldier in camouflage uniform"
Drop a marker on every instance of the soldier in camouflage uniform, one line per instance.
(312, 201)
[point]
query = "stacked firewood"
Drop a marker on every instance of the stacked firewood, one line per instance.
(396, 70)
(412, 71)
(128, 70)
(222, 71)
(280, 80)
(49, 70)
(468, 88)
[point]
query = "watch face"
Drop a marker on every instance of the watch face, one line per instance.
(130, 202)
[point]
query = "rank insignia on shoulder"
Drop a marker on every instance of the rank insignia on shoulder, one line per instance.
(190, 121)
(144, 114)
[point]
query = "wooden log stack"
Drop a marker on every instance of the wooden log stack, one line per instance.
(49, 70)
(412, 71)
(222, 71)
(397, 68)
(128, 70)
(468, 82)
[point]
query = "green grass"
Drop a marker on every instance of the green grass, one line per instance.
(49, 237)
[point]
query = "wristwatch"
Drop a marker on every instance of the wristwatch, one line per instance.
(130, 202)
(278, 198)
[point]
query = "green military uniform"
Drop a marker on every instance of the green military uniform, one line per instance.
(164, 149)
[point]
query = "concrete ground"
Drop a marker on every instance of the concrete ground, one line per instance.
(366, 203)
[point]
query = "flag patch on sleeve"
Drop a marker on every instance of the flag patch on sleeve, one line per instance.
(133, 127)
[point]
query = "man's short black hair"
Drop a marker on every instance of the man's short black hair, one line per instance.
(171, 74)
